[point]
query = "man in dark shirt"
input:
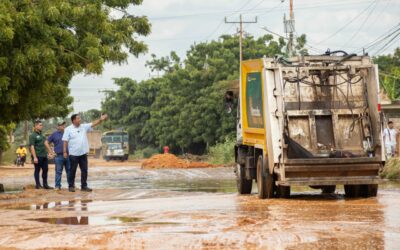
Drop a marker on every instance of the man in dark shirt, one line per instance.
(60, 161)
(39, 150)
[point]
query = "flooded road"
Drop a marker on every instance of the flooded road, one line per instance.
(132, 208)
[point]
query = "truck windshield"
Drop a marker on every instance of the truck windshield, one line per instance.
(115, 146)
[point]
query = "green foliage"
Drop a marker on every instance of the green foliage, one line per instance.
(9, 155)
(184, 108)
(144, 153)
(222, 153)
(43, 44)
(90, 115)
(391, 170)
(149, 152)
(389, 69)
(5, 131)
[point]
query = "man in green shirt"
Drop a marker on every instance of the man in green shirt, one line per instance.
(39, 149)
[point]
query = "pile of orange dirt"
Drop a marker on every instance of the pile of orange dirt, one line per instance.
(171, 161)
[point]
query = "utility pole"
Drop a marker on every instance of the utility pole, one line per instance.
(289, 30)
(241, 22)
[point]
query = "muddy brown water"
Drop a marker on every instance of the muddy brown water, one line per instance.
(132, 208)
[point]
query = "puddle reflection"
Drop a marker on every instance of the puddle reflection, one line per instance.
(88, 220)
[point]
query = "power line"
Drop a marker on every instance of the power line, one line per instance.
(380, 38)
(306, 44)
(384, 47)
(362, 24)
(231, 12)
(347, 24)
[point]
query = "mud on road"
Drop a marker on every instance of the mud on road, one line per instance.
(132, 208)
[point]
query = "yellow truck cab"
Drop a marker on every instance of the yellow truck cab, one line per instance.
(311, 120)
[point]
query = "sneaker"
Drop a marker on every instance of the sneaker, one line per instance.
(71, 189)
(86, 189)
(38, 187)
(48, 187)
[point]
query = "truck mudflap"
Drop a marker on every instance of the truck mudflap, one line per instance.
(330, 171)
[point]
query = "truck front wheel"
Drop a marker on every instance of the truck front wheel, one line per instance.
(243, 184)
(369, 190)
(283, 192)
(265, 182)
(352, 191)
(328, 189)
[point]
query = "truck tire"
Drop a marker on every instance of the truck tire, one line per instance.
(243, 185)
(265, 182)
(283, 192)
(328, 189)
(352, 191)
(370, 190)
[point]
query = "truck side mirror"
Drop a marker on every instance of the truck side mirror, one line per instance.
(229, 101)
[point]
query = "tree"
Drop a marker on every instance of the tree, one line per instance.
(129, 108)
(90, 115)
(163, 64)
(43, 44)
(389, 69)
(184, 108)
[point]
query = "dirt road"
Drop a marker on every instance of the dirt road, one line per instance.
(132, 208)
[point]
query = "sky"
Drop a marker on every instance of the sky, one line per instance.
(177, 24)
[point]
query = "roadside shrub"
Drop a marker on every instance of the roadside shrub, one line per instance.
(149, 152)
(144, 153)
(223, 153)
(391, 170)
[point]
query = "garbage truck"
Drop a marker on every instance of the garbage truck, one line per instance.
(309, 121)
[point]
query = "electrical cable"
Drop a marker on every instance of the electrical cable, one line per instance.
(384, 47)
(362, 25)
(347, 24)
(380, 38)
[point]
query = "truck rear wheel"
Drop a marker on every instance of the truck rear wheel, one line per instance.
(328, 189)
(265, 182)
(369, 190)
(352, 191)
(243, 185)
(283, 192)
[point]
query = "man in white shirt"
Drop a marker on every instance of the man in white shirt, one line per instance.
(390, 139)
(75, 139)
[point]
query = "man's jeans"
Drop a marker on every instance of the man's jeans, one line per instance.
(41, 165)
(60, 164)
(83, 165)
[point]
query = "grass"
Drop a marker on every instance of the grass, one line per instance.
(391, 170)
(222, 153)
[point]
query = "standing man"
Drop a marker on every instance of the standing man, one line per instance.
(60, 161)
(39, 150)
(76, 146)
(390, 139)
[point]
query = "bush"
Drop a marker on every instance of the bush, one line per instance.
(223, 153)
(144, 153)
(391, 170)
(149, 152)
